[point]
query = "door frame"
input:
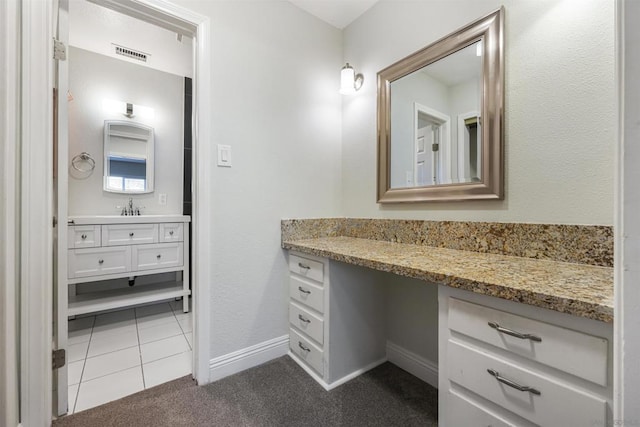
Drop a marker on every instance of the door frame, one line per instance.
(36, 191)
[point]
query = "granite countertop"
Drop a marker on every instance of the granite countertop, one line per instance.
(577, 289)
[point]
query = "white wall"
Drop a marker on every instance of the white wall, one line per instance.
(97, 29)
(275, 101)
(92, 79)
(559, 119)
(559, 111)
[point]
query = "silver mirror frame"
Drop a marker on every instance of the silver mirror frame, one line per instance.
(489, 29)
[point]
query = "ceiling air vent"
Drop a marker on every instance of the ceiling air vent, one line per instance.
(130, 53)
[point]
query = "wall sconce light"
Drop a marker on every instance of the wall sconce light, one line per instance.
(350, 82)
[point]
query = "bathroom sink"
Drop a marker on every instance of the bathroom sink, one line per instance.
(127, 219)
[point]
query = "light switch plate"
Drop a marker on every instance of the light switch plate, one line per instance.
(224, 155)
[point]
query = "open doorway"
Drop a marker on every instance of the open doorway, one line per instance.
(126, 322)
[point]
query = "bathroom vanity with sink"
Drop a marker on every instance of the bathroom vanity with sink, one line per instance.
(114, 247)
(521, 341)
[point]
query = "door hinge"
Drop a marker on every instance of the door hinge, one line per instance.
(59, 50)
(435, 147)
(55, 221)
(58, 358)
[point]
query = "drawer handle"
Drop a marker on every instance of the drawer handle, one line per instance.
(513, 384)
(158, 256)
(171, 233)
(84, 236)
(100, 261)
(304, 291)
(303, 319)
(306, 267)
(304, 347)
(131, 234)
(513, 333)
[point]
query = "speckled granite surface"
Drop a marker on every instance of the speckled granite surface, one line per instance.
(584, 244)
(578, 289)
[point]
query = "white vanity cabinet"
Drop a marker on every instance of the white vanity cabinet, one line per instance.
(505, 363)
(127, 249)
(336, 319)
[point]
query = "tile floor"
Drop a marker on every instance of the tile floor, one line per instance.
(119, 353)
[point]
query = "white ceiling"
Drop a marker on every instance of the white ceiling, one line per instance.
(338, 13)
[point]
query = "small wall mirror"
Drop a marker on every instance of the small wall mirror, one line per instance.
(128, 157)
(440, 119)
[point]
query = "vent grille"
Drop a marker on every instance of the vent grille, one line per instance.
(130, 53)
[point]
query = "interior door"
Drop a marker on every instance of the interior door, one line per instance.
(422, 160)
(60, 186)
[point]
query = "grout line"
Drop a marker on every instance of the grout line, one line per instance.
(84, 363)
(166, 357)
(144, 383)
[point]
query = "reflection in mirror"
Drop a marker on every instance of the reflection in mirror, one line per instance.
(433, 140)
(440, 118)
(128, 157)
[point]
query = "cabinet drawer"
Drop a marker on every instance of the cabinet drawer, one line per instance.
(588, 353)
(306, 293)
(83, 236)
(306, 351)
(310, 324)
(99, 261)
(160, 255)
(558, 404)
(129, 234)
(171, 232)
(462, 412)
(306, 267)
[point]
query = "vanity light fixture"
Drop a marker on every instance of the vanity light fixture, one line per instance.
(129, 112)
(350, 82)
(117, 108)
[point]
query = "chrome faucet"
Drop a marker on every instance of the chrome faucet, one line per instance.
(130, 210)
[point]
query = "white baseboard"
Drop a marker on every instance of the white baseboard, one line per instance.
(416, 365)
(249, 357)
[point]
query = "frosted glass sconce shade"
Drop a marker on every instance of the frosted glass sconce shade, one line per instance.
(350, 82)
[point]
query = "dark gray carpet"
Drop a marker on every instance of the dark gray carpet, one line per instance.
(278, 393)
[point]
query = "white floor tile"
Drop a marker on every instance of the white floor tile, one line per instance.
(163, 348)
(186, 323)
(101, 344)
(189, 337)
(77, 352)
(77, 337)
(152, 320)
(117, 328)
(158, 332)
(73, 394)
(111, 362)
(167, 369)
(115, 317)
(108, 388)
(74, 373)
(80, 330)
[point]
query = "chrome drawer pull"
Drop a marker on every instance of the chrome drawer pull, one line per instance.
(304, 347)
(100, 261)
(171, 233)
(513, 384)
(84, 236)
(513, 333)
(306, 267)
(158, 256)
(304, 291)
(303, 319)
(130, 234)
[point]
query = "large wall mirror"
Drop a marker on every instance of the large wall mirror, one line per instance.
(128, 157)
(440, 119)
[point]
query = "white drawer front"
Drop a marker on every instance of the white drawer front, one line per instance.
(588, 353)
(307, 293)
(306, 267)
(462, 412)
(161, 255)
(171, 232)
(83, 236)
(310, 324)
(557, 405)
(99, 261)
(306, 351)
(129, 234)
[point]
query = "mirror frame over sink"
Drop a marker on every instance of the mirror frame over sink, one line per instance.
(489, 30)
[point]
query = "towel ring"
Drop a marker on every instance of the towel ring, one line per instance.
(83, 157)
